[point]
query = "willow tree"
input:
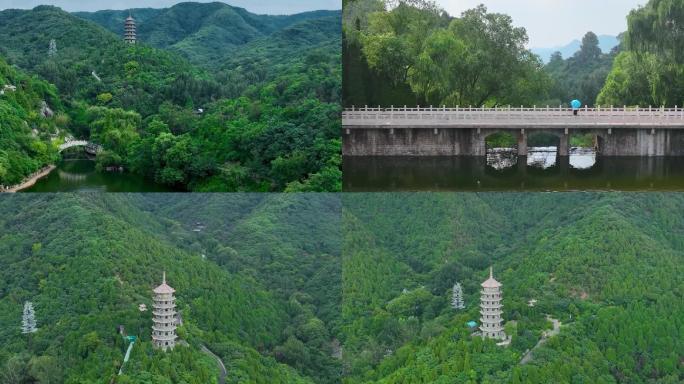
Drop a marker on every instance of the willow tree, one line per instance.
(652, 71)
(479, 59)
(393, 39)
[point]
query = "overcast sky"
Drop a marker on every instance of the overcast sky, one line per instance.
(552, 23)
(272, 7)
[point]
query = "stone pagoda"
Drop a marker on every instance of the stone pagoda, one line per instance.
(164, 316)
(129, 30)
(491, 309)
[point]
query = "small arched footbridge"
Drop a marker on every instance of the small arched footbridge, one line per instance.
(623, 131)
(90, 148)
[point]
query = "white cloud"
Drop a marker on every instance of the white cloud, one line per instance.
(552, 23)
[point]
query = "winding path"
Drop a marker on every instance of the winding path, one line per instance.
(30, 181)
(222, 367)
(545, 336)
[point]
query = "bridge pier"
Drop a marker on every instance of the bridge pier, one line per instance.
(564, 145)
(522, 143)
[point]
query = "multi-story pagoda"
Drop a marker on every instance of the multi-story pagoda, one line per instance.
(129, 30)
(491, 309)
(164, 316)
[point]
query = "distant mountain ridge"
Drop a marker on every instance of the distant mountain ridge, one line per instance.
(606, 42)
(203, 32)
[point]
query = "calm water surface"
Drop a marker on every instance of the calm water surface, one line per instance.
(80, 176)
(504, 170)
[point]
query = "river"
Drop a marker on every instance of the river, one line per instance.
(81, 176)
(503, 170)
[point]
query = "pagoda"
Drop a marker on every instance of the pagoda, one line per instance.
(164, 316)
(129, 30)
(491, 309)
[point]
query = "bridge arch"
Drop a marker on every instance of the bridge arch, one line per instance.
(90, 147)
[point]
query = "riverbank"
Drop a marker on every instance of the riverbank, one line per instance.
(31, 180)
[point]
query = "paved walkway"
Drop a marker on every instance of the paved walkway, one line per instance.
(31, 180)
(222, 367)
(545, 336)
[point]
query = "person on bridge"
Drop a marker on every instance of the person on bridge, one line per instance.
(576, 105)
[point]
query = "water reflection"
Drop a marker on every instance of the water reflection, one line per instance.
(582, 158)
(81, 176)
(540, 157)
(582, 170)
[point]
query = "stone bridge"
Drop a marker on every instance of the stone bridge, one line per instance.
(463, 131)
(90, 148)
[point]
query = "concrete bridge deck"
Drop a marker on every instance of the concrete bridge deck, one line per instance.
(462, 131)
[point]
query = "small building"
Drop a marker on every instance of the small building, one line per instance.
(164, 316)
(472, 325)
(491, 309)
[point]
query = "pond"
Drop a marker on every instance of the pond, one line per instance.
(501, 170)
(81, 176)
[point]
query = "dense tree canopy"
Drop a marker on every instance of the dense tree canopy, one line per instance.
(478, 58)
(606, 265)
(264, 117)
(258, 285)
(650, 71)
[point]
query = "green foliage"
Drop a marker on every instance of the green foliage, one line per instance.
(26, 138)
(477, 59)
(87, 262)
(605, 265)
(265, 119)
(650, 72)
(581, 76)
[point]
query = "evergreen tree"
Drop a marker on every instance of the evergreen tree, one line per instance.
(28, 321)
(457, 297)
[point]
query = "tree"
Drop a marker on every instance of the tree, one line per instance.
(457, 297)
(28, 320)
(589, 50)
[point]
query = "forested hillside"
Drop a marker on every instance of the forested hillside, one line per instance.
(607, 266)
(252, 275)
(26, 127)
(582, 75)
(256, 119)
(206, 34)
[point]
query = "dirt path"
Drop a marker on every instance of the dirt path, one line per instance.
(545, 336)
(222, 367)
(31, 180)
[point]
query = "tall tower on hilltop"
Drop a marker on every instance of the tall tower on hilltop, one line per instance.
(129, 30)
(164, 316)
(491, 309)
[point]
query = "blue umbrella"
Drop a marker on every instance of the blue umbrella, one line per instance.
(576, 104)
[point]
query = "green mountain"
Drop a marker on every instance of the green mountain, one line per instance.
(265, 120)
(205, 33)
(607, 266)
(88, 261)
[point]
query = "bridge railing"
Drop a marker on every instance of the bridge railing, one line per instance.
(515, 116)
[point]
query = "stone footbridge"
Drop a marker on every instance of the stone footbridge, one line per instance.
(458, 131)
(90, 148)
